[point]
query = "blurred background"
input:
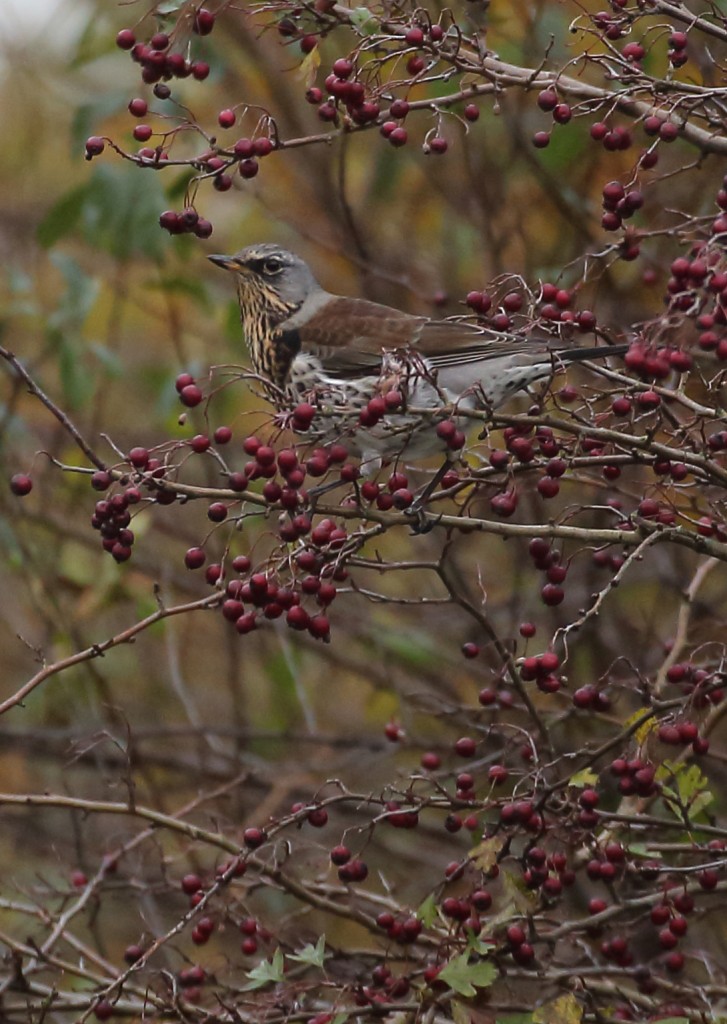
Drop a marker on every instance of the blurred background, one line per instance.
(105, 309)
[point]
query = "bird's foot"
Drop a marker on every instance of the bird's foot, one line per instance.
(421, 521)
(319, 490)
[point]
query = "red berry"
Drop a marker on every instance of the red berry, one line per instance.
(94, 145)
(191, 884)
(194, 558)
(414, 36)
(142, 132)
(190, 395)
(254, 837)
(465, 747)
(204, 22)
(547, 99)
(126, 39)
(21, 484)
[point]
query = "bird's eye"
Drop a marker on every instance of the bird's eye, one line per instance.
(273, 265)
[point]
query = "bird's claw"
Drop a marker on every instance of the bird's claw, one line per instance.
(421, 521)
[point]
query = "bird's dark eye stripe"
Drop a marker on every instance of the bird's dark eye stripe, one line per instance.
(267, 264)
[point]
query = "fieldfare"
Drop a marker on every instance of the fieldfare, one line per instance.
(337, 353)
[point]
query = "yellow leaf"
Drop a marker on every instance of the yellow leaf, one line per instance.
(586, 777)
(564, 1010)
(309, 67)
(460, 1013)
(484, 855)
(644, 729)
(523, 899)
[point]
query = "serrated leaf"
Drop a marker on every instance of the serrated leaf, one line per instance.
(524, 900)
(700, 803)
(692, 789)
(484, 855)
(690, 780)
(363, 20)
(477, 945)
(584, 778)
(564, 1010)
(465, 978)
(310, 954)
(427, 911)
(266, 973)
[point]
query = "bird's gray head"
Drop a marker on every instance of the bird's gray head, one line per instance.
(271, 276)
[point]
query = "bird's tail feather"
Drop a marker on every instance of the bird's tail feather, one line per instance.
(595, 352)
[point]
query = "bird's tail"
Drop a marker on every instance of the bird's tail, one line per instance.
(572, 355)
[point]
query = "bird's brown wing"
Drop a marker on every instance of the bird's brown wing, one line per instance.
(349, 335)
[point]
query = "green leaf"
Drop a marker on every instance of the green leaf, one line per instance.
(169, 7)
(700, 803)
(95, 41)
(62, 218)
(77, 382)
(87, 117)
(177, 189)
(19, 282)
(643, 850)
(266, 973)
(427, 911)
(465, 978)
(80, 294)
(117, 210)
(187, 286)
(309, 954)
(110, 361)
(690, 780)
(363, 20)
(515, 1018)
(692, 787)
(477, 945)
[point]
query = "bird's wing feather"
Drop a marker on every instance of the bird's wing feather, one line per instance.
(349, 335)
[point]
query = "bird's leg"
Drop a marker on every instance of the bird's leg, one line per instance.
(317, 492)
(417, 509)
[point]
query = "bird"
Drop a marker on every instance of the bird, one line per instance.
(341, 356)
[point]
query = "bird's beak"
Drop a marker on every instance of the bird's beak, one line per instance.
(226, 262)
